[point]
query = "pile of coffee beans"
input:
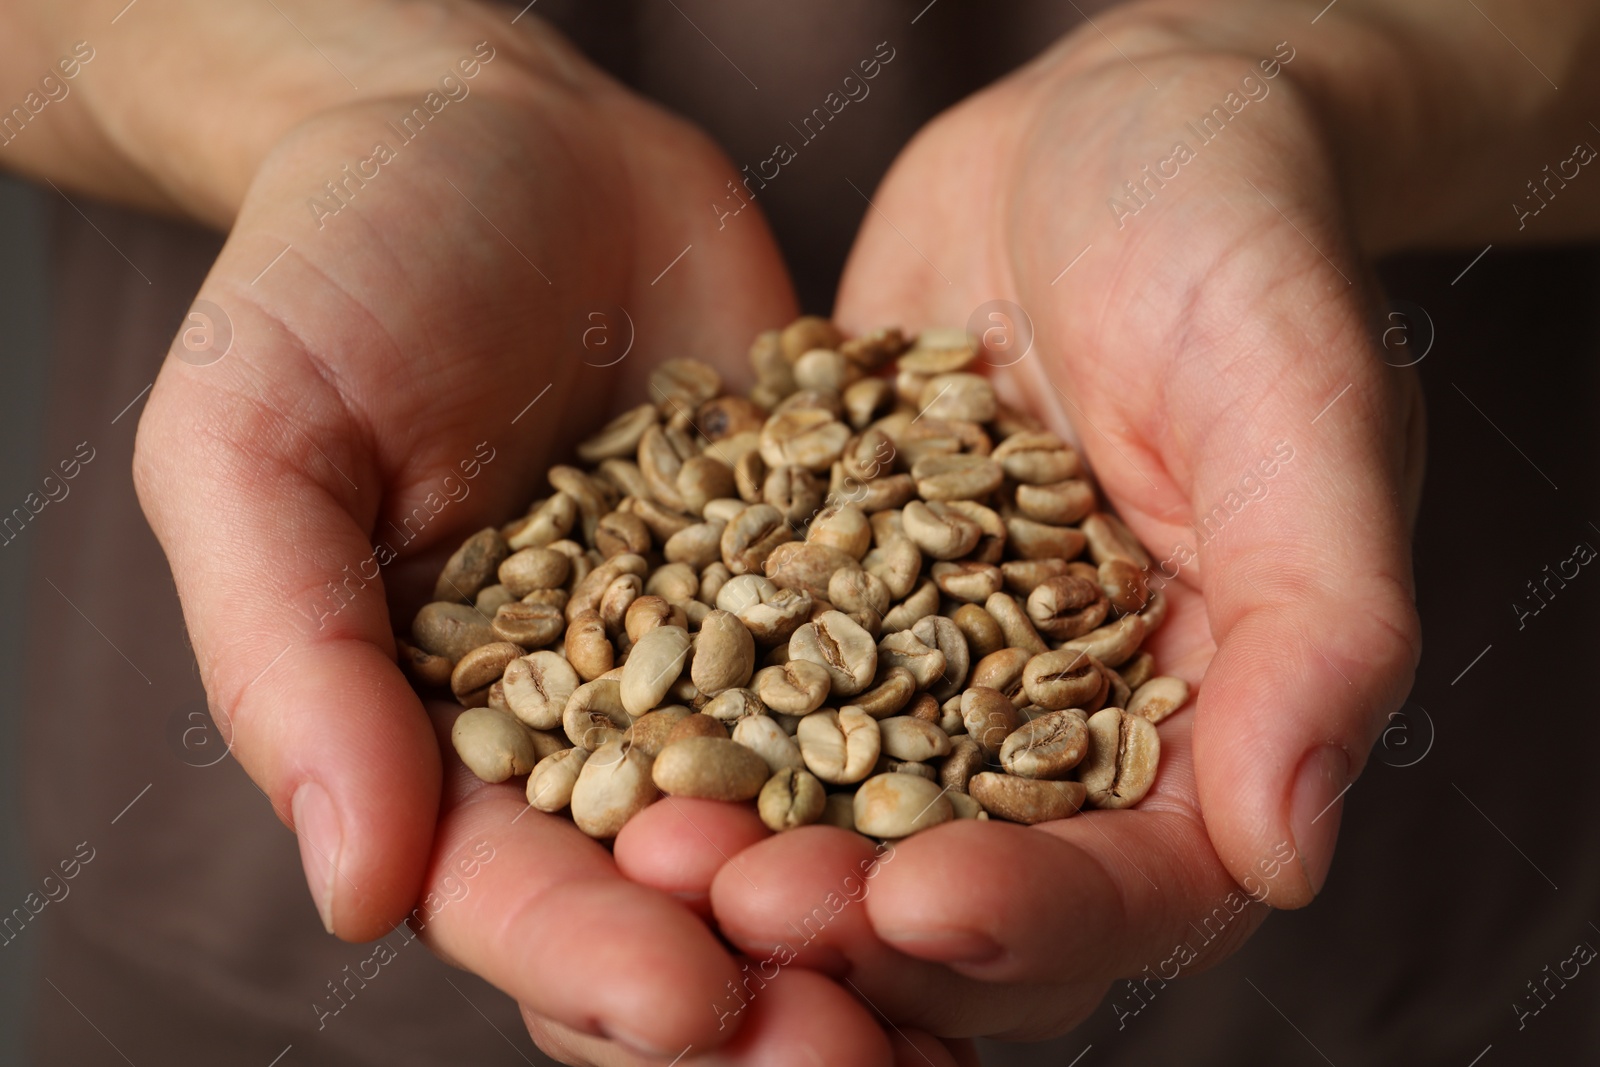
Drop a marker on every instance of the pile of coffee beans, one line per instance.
(852, 597)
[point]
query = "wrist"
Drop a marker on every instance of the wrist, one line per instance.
(162, 124)
(1433, 119)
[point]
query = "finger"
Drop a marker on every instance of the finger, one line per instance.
(1307, 580)
(793, 1019)
(251, 496)
(547, 918)
(1028, 926)
(678, 844)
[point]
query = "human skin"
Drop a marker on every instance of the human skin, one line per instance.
(1197, 332)
(1162, 397)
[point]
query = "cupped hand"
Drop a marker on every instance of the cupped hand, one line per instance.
(1209, 342)
(361, 388)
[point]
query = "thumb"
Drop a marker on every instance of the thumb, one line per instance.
(1299, 505)
(251, 484)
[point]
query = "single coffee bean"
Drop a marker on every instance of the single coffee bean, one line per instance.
(724, 654)
(983, 634)
(958, 396)
(823, 368)
(1025, 800)
(957, 477)
(1067, 607)
(1003, 670)
(696, 725)
(966, 759)
(723, 417)
(1138, 670)
(938, 632)
(653, 731)
(967, 581)
(904, 649)
(990, 718)
(696, 546)
(550, 784)
(840, 645)
(538, 568)
(550, 521)
(761, 735)
(1065, 678)
(991, 546)
(491, 597)
(861, 595)
(1023, 576)
(920, 603)
(492, 744)
(622, 531)
(1059, 503)
(925, 708)
(683, 385)
(479, 669)
(940, 530)
(594, 715)
(1037, 458)
(796, 688)
(529, 625)
(711, 768)
(1109, 539)
(648, 612)
(537, 688)
(894, 689)
(1124, 751)
(751, 537)
(1112, 644)
(803, 437)
(1124, 585)
(424, 668)
(898, 805)
(472, 567)
(1037, 540)
(841, 527)
(615, 602)
(1047, 747)
(1015, 624)
(905, 738)
(655, 663)
(866, 399)
(805, 333)
(939, 351)
(1159, 697)
(791, 798)
(613, 786)
(896, 563)
(731, 705)
(587, 647)
(839, 746)
(702, 479)
(620, 436)
(450, 630)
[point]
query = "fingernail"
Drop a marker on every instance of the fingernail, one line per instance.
(944, 946)
(317, 824)
(1315, 810)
